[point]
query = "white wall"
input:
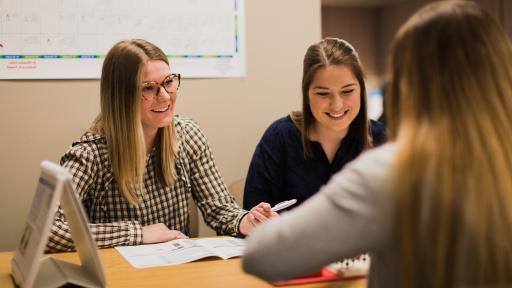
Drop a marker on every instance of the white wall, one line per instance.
(40, 119)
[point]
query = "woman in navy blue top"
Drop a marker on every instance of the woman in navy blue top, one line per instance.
(300, 152)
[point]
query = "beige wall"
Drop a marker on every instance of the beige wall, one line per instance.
(39, 119)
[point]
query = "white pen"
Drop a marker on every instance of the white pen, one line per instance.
(284, 204)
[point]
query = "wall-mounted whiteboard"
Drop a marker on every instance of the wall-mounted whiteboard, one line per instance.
(68, 39)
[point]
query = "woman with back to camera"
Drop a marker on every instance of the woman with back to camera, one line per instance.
(137, 165)
(300, 152)
(433, 206)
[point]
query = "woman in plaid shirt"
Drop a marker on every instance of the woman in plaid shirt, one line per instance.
(136, 166)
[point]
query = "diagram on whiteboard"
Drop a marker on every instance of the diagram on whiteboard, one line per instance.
(68, 39)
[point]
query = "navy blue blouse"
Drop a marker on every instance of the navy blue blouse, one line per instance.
(279, 171)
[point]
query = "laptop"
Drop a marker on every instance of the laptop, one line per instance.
(30, 266)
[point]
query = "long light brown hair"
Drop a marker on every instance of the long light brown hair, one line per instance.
(119, 120)
(331, 51)
(450, 108)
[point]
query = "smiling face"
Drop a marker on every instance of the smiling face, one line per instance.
(334, 99)
(157, 111)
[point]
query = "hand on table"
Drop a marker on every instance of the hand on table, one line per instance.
(157, 233)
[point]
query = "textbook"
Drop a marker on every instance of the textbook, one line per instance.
(349, 269)
(181, 251)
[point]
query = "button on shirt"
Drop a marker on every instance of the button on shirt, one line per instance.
(279, 171)
(115, 222)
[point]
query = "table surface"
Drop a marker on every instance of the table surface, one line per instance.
(202, 273)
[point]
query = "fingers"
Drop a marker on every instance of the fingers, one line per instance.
(258, 216)
(174, 234)
(261, 213)
(264, 209)
(252, 220)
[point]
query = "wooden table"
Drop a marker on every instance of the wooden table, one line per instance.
(203, 273)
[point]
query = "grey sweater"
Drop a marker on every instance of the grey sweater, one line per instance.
(351, 215)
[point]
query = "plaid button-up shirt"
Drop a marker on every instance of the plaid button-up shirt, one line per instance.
(114, 222)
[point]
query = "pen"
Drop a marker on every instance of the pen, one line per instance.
(284, 204)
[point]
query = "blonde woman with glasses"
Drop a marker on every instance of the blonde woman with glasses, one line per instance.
(138, 163)
(434, 207)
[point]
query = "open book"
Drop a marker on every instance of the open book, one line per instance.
(182, 251)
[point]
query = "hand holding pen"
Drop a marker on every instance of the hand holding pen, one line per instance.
(285, 204)
(262, 213)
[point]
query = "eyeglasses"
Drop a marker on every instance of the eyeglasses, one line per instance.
(151, 89)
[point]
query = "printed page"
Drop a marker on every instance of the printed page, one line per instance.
(224, 247)
(163, 254)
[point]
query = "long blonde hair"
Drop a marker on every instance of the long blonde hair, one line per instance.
(450, 108)
(119, 120)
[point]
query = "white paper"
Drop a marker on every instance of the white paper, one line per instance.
(181, 251)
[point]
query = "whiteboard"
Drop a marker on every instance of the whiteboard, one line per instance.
(68, 39)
